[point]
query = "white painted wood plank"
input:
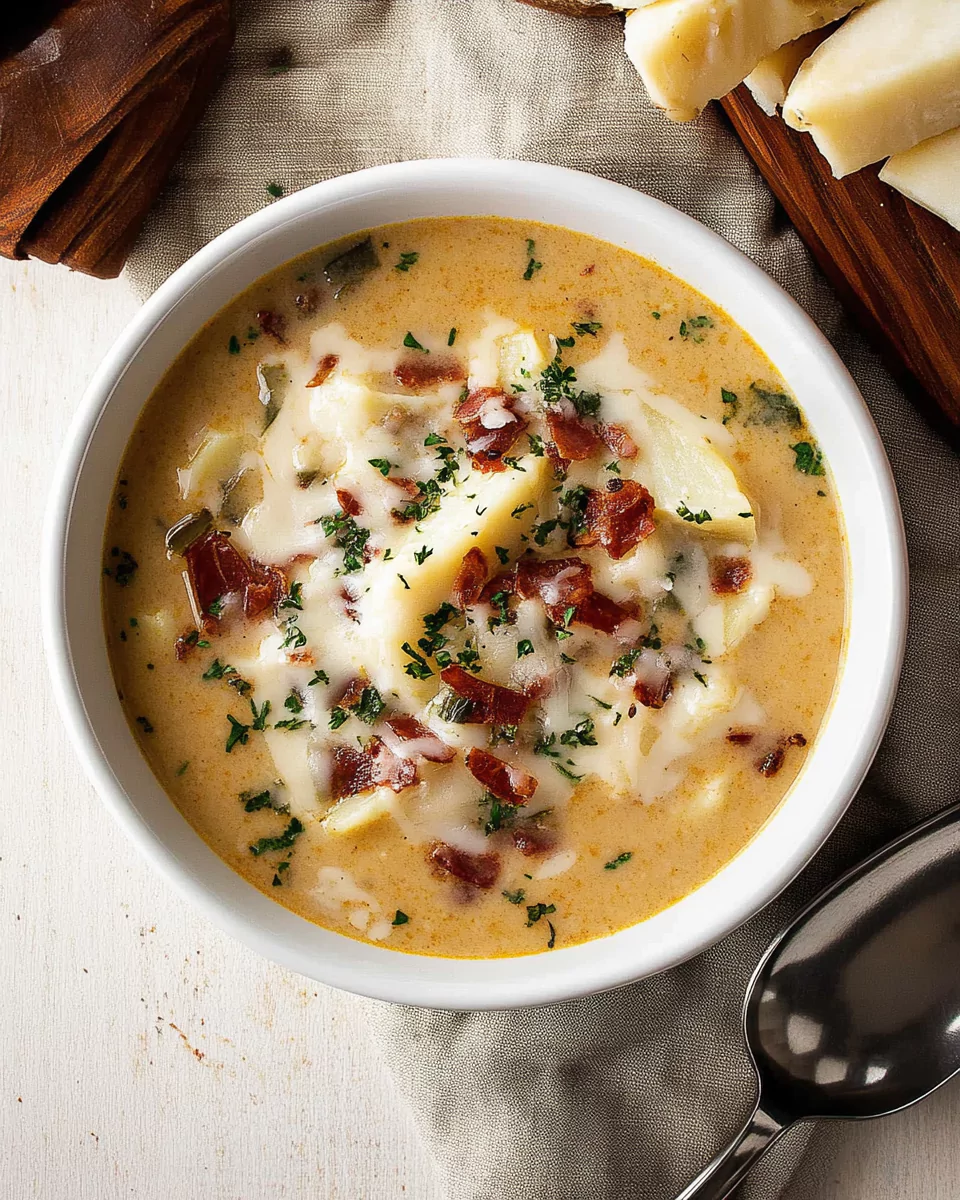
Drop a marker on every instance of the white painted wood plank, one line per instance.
(143, 1053)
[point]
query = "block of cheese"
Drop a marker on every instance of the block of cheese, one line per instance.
(770, 79)
(689, 52)
(886, 80)
(929, 175)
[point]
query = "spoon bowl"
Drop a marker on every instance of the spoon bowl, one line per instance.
(854, 1010)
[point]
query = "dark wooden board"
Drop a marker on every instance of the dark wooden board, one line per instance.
(895, 266)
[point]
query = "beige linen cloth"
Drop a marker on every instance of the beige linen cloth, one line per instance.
(628, 1094)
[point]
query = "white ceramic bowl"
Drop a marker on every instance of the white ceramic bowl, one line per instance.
(83, 487)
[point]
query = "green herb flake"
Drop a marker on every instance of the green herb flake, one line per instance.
(618, 861)
(808, 459)
(503, 554)
(452, 336)
(234, 344)
(536, 444)
(292, 724)
(253, 802)
(412, 344)
(144, 724)
(408, 259)
(656, 316)
(516, 897)
(294, 598)
(772, 408)
(318, 677)
(260, 715)
(338, 717)
(520, 510)
(567, 774)
(275, 190)
(524, 647)
(239, 733)
(182, 769)
(536, 911)
(731, 403)
(403, 581)
(294, 638)
(382, 465)
(698, 518)
(582, 734)
(285, 840)
(586, 328)
(399, 918)
(693, 328)
(420, 556)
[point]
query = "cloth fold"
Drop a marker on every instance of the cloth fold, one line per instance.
(631, 1092)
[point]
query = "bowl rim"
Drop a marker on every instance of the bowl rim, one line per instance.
(571, 971)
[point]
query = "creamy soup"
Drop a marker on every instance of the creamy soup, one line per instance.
(474, 587)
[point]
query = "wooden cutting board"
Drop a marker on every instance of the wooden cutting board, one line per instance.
(895, 266)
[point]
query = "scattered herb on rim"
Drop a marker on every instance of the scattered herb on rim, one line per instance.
(283, 842)
(536, 911)
(618, 861)
(809, 459)
(407, 259)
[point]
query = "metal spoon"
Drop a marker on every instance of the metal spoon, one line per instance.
(854, 1010)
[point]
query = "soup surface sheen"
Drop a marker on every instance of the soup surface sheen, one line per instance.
(474, 587)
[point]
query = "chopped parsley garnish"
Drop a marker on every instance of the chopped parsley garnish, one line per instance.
(294, 702)
(613, 466)
(407, 260)
(618, 861)
(292, 723)
(420, 556)
(275, 190)
(501, 814)
(582, 328)
(182, 769)
(234, 344)
(532, 264)
(452, 336)
(553, 936)
(503, 733)
(562, 631)
(503, 554)
(536, 444)
(693, 328)
(556, 384)
(602, 703)
(515, 464)
(283, 842)
(348, 537)
(580, 735)
(524, 647)
(370, 705)
(253, 803)
(433, 623)
(144, 724)
(700, 678)
(412, 344)
(453, 708)
(293, 637)
(238, 733)
(399, 918)
(294, 599)
(542, 530)
(809, 458)
(567, 774)
(545, 746)
(536, 911)
(217, 670)
(468, 658)
(574, 500)
(655, 315)
(215, 608)
(520, 509)
(319, 677)
(732, 401)
(699, 518)
(123, 570)
(772, 408)
(516, 897)
(403, 581)
(260, 715)
(382, 465)
(501, 602)
(419, 668)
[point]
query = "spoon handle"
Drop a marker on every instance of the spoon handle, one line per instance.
(721, 1177)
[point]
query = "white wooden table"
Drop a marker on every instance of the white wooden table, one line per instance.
(142, 1052)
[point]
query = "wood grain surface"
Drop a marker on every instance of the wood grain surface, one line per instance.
(144, 1054)
(895, 266)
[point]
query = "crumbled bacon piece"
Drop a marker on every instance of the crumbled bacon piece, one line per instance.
(482, 870)
(490, 703)
(654, 692)
(356, 771)
(589, 270)
(490, 426)
(557, 461)
(423, 372)
(771, 763)
(325, 366)
(417, 740)
(531, 840)
(349, 503)
(616, 438)
(468, 585)
(216, 568)
(618, 520)
(349, 604)
(730, 576)
(505, 781)
(273, 324)
(573, 438)
(740, 737)
(561, 583)
(410, 486)
(352, 691)
(185, 645)
(601, 613)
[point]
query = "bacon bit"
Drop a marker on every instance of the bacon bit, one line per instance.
(654, 695)
(349, 503)
(273, 324)
(488, 446)
(302, 656)
(506, 581)
(573, 438)
(184, 645)
(325, 366)
(419, 373)
(468, 585)
(618, 520)
(601, 613)
(352, 691)
(537, 689)
(771, 763)
(215, 568)
(730, 576)
(507, 782)
(589, 270)
(490, 703)
(307, 301)
(482, 870)
(557, 461)
(349, 605)
(616, 438)
(410, 486)
(357, 771)
(429, 746)
(740, 737)
(531, 840)
(561, 583)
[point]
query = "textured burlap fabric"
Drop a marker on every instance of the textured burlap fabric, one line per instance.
(626, 1094)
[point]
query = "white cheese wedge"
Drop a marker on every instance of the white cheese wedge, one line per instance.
(770, 79)
(689, 52)
(929, 175)
(886, 80)
(356, 812)
(403, 589)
